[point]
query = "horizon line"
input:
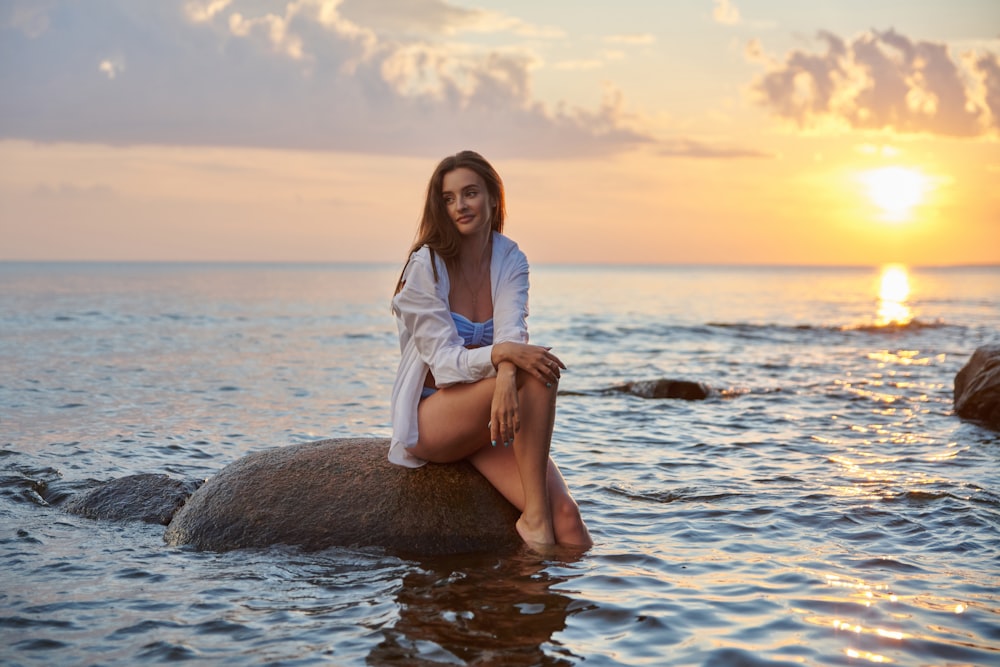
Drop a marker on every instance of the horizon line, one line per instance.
(580, 264)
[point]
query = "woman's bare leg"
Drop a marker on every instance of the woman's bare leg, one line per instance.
(499, 466)
(532, 442)
(453, 422)
(453, 426)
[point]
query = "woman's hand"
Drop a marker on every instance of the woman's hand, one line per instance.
(532, 359)
(505, 418)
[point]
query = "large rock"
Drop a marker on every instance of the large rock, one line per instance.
(977, 387)
(345, 493)
(150, 498)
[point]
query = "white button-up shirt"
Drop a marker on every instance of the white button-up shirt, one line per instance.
(428, 339)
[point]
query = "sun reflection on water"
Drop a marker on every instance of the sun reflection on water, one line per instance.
(894, 290)
(870, 626)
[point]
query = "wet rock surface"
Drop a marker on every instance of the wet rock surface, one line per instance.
(665, 388)
(345, 493)
(150, 498)
(977, 387)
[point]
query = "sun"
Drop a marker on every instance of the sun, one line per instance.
(896, 191)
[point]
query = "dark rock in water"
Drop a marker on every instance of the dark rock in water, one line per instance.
(977, 387)
(149, 498)
(683, 389)
(345, 493)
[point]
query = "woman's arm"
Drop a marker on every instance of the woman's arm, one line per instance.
(534, 359)
(511, 350)
(510, 314)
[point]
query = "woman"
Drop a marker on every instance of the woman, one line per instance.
(469, 385)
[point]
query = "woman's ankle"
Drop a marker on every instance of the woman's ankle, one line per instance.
(536, 530)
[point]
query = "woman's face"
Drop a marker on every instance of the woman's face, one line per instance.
(467, 201)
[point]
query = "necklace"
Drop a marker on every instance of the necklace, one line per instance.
(482, 279)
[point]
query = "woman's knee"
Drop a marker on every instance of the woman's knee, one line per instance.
(565, 510)
(534, 386)
(568, 523)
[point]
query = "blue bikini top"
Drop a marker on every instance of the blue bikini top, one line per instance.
(475, 334)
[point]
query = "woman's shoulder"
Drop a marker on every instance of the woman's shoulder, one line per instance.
(421, 254)
(506, 249)
(424, 258)
(506, 244)
(426, 264)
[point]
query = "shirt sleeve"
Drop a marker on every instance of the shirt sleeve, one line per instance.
(424, 316)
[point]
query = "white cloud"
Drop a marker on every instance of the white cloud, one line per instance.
(202, 11)
(272, 28)
(725, 12)
(883, 81)
(409, 17)
(436, 17)
(302, 74)
(30, 17)
(109, 68)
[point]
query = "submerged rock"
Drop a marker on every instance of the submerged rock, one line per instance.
(683, 389)
(150, 498)
(977, 387)
(345, 493)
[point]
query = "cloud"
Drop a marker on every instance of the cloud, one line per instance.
(883, 81)
(725, 12)
(31, 18)
(691, 148)
(111, 67)
(300, 74)
(436, 17)
(202, 11)
(415, 17)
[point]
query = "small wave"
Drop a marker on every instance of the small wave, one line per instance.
(166, 652)
(735, 657)
(898, 327)
(39, 645)
(885, 564)
(921, 496)
(749, 327)
(677, 495)
(24, 622)
(21, 483)
(361, 335)
(38, 485)
(680, 389)
(751, 330)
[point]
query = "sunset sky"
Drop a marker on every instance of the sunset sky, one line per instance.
(834, 132)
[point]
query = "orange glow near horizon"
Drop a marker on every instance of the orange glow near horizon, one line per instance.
(72, 202)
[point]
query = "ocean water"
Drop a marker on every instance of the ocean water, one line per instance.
(824, 507)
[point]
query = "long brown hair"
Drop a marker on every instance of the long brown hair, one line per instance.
(437, 231)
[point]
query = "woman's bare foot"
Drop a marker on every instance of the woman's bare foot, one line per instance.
(537, 535)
